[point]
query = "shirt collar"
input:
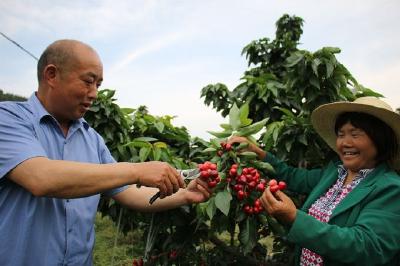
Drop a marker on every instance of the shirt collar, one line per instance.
(41, 113)
(361, 174)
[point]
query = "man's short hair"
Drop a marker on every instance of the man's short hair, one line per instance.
(60, 53)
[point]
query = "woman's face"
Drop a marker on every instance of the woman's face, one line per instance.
(355, 148)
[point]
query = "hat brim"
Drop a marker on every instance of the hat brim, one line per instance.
(324, 118)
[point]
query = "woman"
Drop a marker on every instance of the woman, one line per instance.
(352, 213)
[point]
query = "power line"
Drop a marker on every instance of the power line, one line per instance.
(19, 46)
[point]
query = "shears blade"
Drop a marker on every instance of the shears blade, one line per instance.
(189, 174)
(186, 174)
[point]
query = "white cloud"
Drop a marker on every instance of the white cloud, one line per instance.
(153, 46)
(160, 53)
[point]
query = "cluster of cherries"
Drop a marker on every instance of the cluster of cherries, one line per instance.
(274, 185)
(224, 147)
(244, 184)
(249, 181)
(209, 173)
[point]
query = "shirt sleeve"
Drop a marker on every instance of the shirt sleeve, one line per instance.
(18, 141)
(300, 180)
(106, 157)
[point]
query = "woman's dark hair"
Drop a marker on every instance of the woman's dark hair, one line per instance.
(378, 131)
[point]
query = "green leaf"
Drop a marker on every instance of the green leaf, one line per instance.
(234, 117)
(294, 58)
(138, 144)
(160, 145)
(248, 234)
(148, 139)
(244, 113)
(144, 153)
(315, 63)
(224, 134)
(160, 126)
(242, 145)
(302, 139)
(215, 142)
(156, 153)
(211, 208)
(127, 111)
(209, 149)
(329, 69)
(315, 82)
(265, 166)
(108, 133)
(110, 93)
(252, 129)
(226, 126)
(248, 154)
(222, 201)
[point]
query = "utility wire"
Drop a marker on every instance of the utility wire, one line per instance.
(19, 46)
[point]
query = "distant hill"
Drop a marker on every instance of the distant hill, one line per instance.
(10, 97)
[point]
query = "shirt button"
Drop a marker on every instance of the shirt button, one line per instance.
(67, 200)
(70, 230)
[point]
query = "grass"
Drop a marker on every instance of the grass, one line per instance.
(128, 247)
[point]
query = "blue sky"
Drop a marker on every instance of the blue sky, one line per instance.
(162, 53)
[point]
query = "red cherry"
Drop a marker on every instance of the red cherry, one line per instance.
(238, 187)
(243, 179)
(240, 194)
(257, 203)
(252, 185)
(282, 185)
(234, 166)
(204, 175)
(228, 147)
(214, 173)
(274, 188)
(245, 171)
(272, 182)
(212, 166)
(212, 184)
(233, 172)
(173, 254)
(260, 187)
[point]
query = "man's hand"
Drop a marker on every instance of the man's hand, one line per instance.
(279, 205)
(197, 191)
(159, 175)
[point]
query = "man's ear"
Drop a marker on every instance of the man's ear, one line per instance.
(50, 73)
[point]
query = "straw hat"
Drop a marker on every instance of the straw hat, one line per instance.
(324, 117)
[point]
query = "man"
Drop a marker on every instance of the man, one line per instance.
(53, 166)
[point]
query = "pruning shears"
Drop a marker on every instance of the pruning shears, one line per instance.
(186, 174)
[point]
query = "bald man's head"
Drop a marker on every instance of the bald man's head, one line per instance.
(61, 53)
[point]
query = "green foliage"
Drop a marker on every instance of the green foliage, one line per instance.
(10, 97)
(285, 85)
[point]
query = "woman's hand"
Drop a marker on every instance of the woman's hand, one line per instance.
(279, 205)
(197, 191)
(251, 147)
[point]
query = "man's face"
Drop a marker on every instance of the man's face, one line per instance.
(76, 86)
